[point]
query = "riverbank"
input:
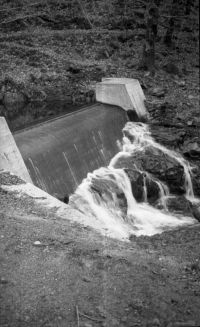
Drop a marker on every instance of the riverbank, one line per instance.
(57, 273)
(42, 66)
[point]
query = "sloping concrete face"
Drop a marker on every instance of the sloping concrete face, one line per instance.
(60, 152)
(123, 92)
(10, 157)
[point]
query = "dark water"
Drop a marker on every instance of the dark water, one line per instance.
(19, 117)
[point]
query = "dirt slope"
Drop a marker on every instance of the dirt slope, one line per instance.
(152, 281)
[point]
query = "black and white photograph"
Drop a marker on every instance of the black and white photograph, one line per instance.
(99, 163)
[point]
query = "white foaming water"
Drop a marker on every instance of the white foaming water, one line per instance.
(139, 137)
(164, 194)
(104, 190)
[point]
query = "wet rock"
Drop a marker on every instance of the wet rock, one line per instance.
(159, 165)
(195, 209)
(165, 169)
(191, 148)
(196, 186)
(137, 183)
(153, 191)
(179, 204)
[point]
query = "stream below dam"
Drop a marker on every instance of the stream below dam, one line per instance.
(109, 169)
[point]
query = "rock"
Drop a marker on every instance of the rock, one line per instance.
(137, 183)
(172, 137)
(37, 243)
(162, 167)
(191, 148)
(74, 69)
(196, 183)
(180, 83)
(157, 91)
(179, 204)
(171, 68)
(1, 96)
(195, 209)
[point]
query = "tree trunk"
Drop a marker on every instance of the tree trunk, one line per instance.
(176, 5)
(188, 6)
(148, 55)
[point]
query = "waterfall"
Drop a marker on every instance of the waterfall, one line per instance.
(140, 137)
(107, 196)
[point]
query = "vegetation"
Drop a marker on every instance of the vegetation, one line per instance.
(59, 49)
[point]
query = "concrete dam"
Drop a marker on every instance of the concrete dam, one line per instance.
(59, 153)
(76, 158)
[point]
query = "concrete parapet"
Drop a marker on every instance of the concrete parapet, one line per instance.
(123, 92)
(10, 157)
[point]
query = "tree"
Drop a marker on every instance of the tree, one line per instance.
(148, 53)
(175, 8)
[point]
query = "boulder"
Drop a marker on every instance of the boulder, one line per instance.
(191, 148)
(157, 91)
(171, 68)
(159, 165)
(196, 180)
(137, 183)
(179, 204)
(168, 136)
(195, 209)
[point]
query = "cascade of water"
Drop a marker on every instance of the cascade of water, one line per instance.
(145, 188)
(140, 137)
(101, 188)
(164, 194)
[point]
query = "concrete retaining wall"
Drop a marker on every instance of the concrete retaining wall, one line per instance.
(10, 157)
(123, 92)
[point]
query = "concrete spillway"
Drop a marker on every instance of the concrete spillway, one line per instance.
(59, 153)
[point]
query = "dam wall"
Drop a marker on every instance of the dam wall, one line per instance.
(10, 156)
(59, 153)
(123, 92)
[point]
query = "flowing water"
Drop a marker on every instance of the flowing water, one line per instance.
(106, 194)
